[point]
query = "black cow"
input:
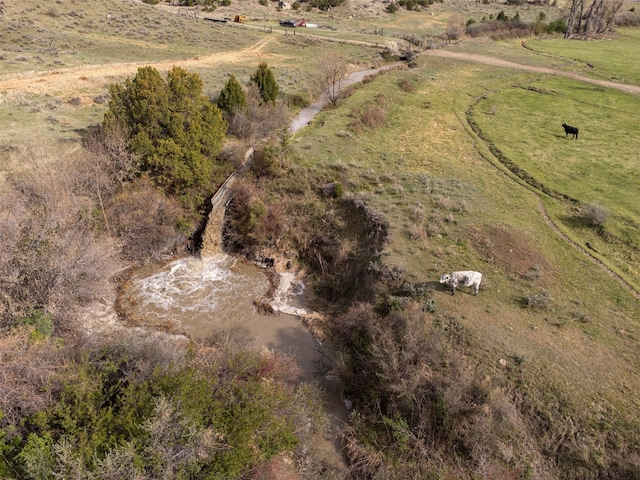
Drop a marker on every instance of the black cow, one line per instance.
(569, 130)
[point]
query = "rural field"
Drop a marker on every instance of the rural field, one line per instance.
(456, 161)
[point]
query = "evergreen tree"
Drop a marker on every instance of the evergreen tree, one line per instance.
(232, 97)
(175, 129)
(266, 83)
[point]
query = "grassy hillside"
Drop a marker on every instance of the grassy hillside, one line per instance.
(549, 318)
(586, 169)
(603, 58)
(463, 164)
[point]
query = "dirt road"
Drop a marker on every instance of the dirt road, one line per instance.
(75, 80)
(486, 60)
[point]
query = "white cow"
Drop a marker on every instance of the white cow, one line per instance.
(466, 279)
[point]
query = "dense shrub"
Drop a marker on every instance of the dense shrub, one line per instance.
(266, 161)
(266, 83)
(175, 129)
(392, 7)
(373, 117)
(297, 100)
(628, 19)
(325, 4)
(215, 414)
(415, 4)
(540, 300)
(260, 120)
(594, 215)
(146, 221)
(232, 97)
(557, 26)
(250, 221)
(503, 27)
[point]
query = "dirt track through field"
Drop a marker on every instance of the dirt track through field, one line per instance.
(71, 81)
(486, 60)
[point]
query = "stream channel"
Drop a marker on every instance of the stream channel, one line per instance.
(200, 296)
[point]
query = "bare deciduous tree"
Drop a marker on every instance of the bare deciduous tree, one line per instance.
(259, 120)
(455, 26)
(333, 72)
(589, 19)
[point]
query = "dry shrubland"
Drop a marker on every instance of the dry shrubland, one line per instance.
(66, 229)
(27, 374)
(139, 407)
(409, 382)
(144, 220)
(250, 222)
(50, 257)
(259, 120)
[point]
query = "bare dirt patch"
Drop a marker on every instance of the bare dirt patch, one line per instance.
(509, 250)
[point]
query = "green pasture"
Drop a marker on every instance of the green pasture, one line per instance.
(36, 119)
(601, 167)
(606, 59)
(612, 58)
(513, 51)
(435, 182)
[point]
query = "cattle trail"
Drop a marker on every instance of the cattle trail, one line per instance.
(577, 246)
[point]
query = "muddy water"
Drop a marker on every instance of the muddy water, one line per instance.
(195, 296)
(201, 296)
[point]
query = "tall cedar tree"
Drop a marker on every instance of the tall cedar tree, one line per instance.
(174, 128)
(266, 83)
(232, 97)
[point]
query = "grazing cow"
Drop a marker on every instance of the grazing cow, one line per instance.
(569, 130)
(466, 279)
